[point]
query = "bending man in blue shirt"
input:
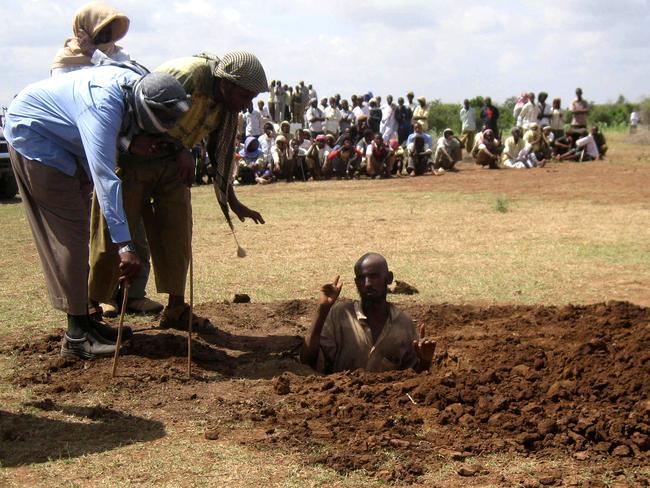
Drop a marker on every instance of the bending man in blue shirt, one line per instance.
(64, 134)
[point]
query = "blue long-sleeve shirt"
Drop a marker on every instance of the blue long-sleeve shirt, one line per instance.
(71, 121)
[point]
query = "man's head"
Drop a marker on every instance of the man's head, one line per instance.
(488, 101)
(323, 102)
(313, 102)
(531, 97)
(372, 277)
(344, 104)
(332, 102)
(389, 99)
(241, 77)
(542, 97)
(448, 133)
(579, 93)
(269, 129)
(158, 102)
(422, 101)
(557, 103)
(516, 133)
(309, 86)
(400, 101)
(417, 127)
(466, 104)
(281, 142)
(285, 127)
(378, 140)
(409, 96)
(260, 104)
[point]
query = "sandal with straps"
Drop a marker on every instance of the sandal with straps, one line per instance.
(177, 318)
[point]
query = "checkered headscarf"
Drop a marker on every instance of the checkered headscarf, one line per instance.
(244, 70)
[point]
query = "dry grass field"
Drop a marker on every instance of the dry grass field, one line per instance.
(564, 234)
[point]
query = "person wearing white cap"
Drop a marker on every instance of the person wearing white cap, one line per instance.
(156, 186)
(63, 134)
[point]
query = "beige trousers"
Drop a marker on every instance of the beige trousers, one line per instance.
(151, 191)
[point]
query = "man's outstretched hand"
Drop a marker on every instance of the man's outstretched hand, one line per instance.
(424, 348)
(243, 212)
(330, 292)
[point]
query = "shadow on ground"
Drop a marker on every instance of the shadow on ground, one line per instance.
(27, 438)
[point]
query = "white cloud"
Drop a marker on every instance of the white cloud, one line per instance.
(440, 49)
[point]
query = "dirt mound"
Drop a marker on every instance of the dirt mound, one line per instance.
(573, 379)
(530, 380)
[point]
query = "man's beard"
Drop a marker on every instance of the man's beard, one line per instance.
(371, 300)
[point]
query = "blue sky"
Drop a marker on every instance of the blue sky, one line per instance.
(440, 49)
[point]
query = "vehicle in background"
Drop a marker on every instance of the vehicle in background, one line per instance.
(8, 187)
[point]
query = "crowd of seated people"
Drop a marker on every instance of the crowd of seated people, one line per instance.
(299, 137)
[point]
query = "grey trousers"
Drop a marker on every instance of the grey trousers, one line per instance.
(58, 213)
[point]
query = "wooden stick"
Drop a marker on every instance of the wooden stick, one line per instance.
(118, 344)
(189, 319)
(189, 324)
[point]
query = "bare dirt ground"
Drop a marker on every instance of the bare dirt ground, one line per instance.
(566, 382)
(518, 395)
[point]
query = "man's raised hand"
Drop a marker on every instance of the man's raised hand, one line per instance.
(424, 348)
(330, 292)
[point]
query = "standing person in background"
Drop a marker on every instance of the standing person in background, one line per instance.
(545, 110)
(347, 117)
(529, 112)
(315, 119)
(312, 92)
(264, 112)
(388, 125)
(411, 104)
(288, 102)
(297, 105)
(467, 125)
(98, 26)
(557, 119)
(634, 121)
(252, 122)
(374, 117)
(490, 117)
(579, 110)
(332, 117)
(519, 105)
(421, 114)
(403, 116)
(279, 102)
(272, 100)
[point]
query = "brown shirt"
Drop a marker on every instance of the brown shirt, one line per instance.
(579, 119)
(346, 341)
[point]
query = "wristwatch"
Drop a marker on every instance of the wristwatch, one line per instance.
(128, 247)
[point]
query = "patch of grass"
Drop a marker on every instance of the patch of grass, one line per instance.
(501, 205)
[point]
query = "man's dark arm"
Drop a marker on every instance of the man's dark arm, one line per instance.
(329, 293)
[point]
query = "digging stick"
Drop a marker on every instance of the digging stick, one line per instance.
(120, 325)
(189, 320)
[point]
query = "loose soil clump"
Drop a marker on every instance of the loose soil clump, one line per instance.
(527, 380)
